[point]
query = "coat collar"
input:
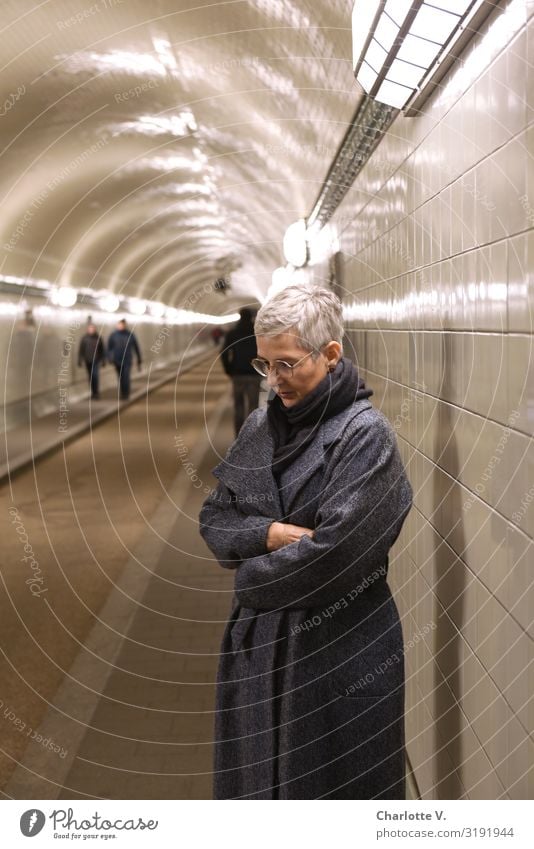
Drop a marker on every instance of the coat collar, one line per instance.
(246, 470)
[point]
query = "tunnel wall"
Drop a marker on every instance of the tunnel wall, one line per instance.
(40, 353)
(438, 247)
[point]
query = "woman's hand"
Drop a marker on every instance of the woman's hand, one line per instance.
(280, 534)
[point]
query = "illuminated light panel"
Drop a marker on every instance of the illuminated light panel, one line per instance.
(398, 9)
(109, 303)
(156, 309)
(393, 94)
(136, 306)
(64, 296)
(419, 51)
(392, 72)
(433, 24)
(363, 15)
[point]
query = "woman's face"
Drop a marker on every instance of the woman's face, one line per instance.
(306, 376)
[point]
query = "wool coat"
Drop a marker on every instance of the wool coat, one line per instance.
(310, 685)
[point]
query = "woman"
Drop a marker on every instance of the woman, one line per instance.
(310, 498)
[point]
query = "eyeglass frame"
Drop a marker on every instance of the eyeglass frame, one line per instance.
(290, 367)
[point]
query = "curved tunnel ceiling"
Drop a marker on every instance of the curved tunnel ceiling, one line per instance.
(147, 148)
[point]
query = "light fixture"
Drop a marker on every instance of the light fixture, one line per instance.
(156, 309)
(137, 306)
(365, 132)
(295, 244)
(109, 302)
(402, 48)
(64, 296)
(323, 242)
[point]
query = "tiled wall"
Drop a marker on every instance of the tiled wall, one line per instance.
(438, 242)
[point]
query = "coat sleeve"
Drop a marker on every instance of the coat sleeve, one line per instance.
(230, 534)
(362, 509)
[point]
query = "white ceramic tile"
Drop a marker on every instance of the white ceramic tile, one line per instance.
(509, 178)
(521, 283)
(517, 69)
(517, 593)
(520, 380)
(485, 375)
(491, 288)
(485, 199)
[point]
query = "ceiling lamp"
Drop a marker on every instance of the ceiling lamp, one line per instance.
(156, 309)
(137, 307)
(64, 296)
(403, 48)
(109, 302)
(295, 244)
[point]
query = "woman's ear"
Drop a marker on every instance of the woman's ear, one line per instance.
(332, 352)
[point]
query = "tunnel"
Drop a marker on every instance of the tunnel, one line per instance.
(179, 181)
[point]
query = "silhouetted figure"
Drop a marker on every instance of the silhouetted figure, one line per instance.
(239, 349)
(120, 345)
(92, 353)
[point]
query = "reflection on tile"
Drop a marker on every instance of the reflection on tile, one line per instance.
(521, 283)
(448, 330)
(520, 380)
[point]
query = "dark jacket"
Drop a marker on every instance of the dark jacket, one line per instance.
(120, 345)
(91, 349)
(239, 348)
(301, 710)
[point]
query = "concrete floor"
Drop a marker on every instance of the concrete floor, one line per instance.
(91, 516)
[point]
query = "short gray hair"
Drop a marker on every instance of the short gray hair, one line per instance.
(313, 313)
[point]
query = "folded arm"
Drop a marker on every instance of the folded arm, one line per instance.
(230, 534)
(362, 510)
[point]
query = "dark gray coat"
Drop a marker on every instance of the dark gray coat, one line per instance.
(310, 689)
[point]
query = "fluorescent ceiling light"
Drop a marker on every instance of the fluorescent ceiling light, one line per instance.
(362, 20)
(418, 50)
(64, 296)
(434, 24)
(393, 94)
(405, 40)
(110, 303)
(398, 9)
(367, 77)
(405, 73)
(156, 309)
(386, 32)
(137, 307)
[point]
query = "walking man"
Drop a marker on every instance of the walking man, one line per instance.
(239, 348)
(120, 345)
(93, 353)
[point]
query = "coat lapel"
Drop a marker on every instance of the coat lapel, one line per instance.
(246, 470)
(313, 458)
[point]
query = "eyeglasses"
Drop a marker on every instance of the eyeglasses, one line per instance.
(282, 368)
